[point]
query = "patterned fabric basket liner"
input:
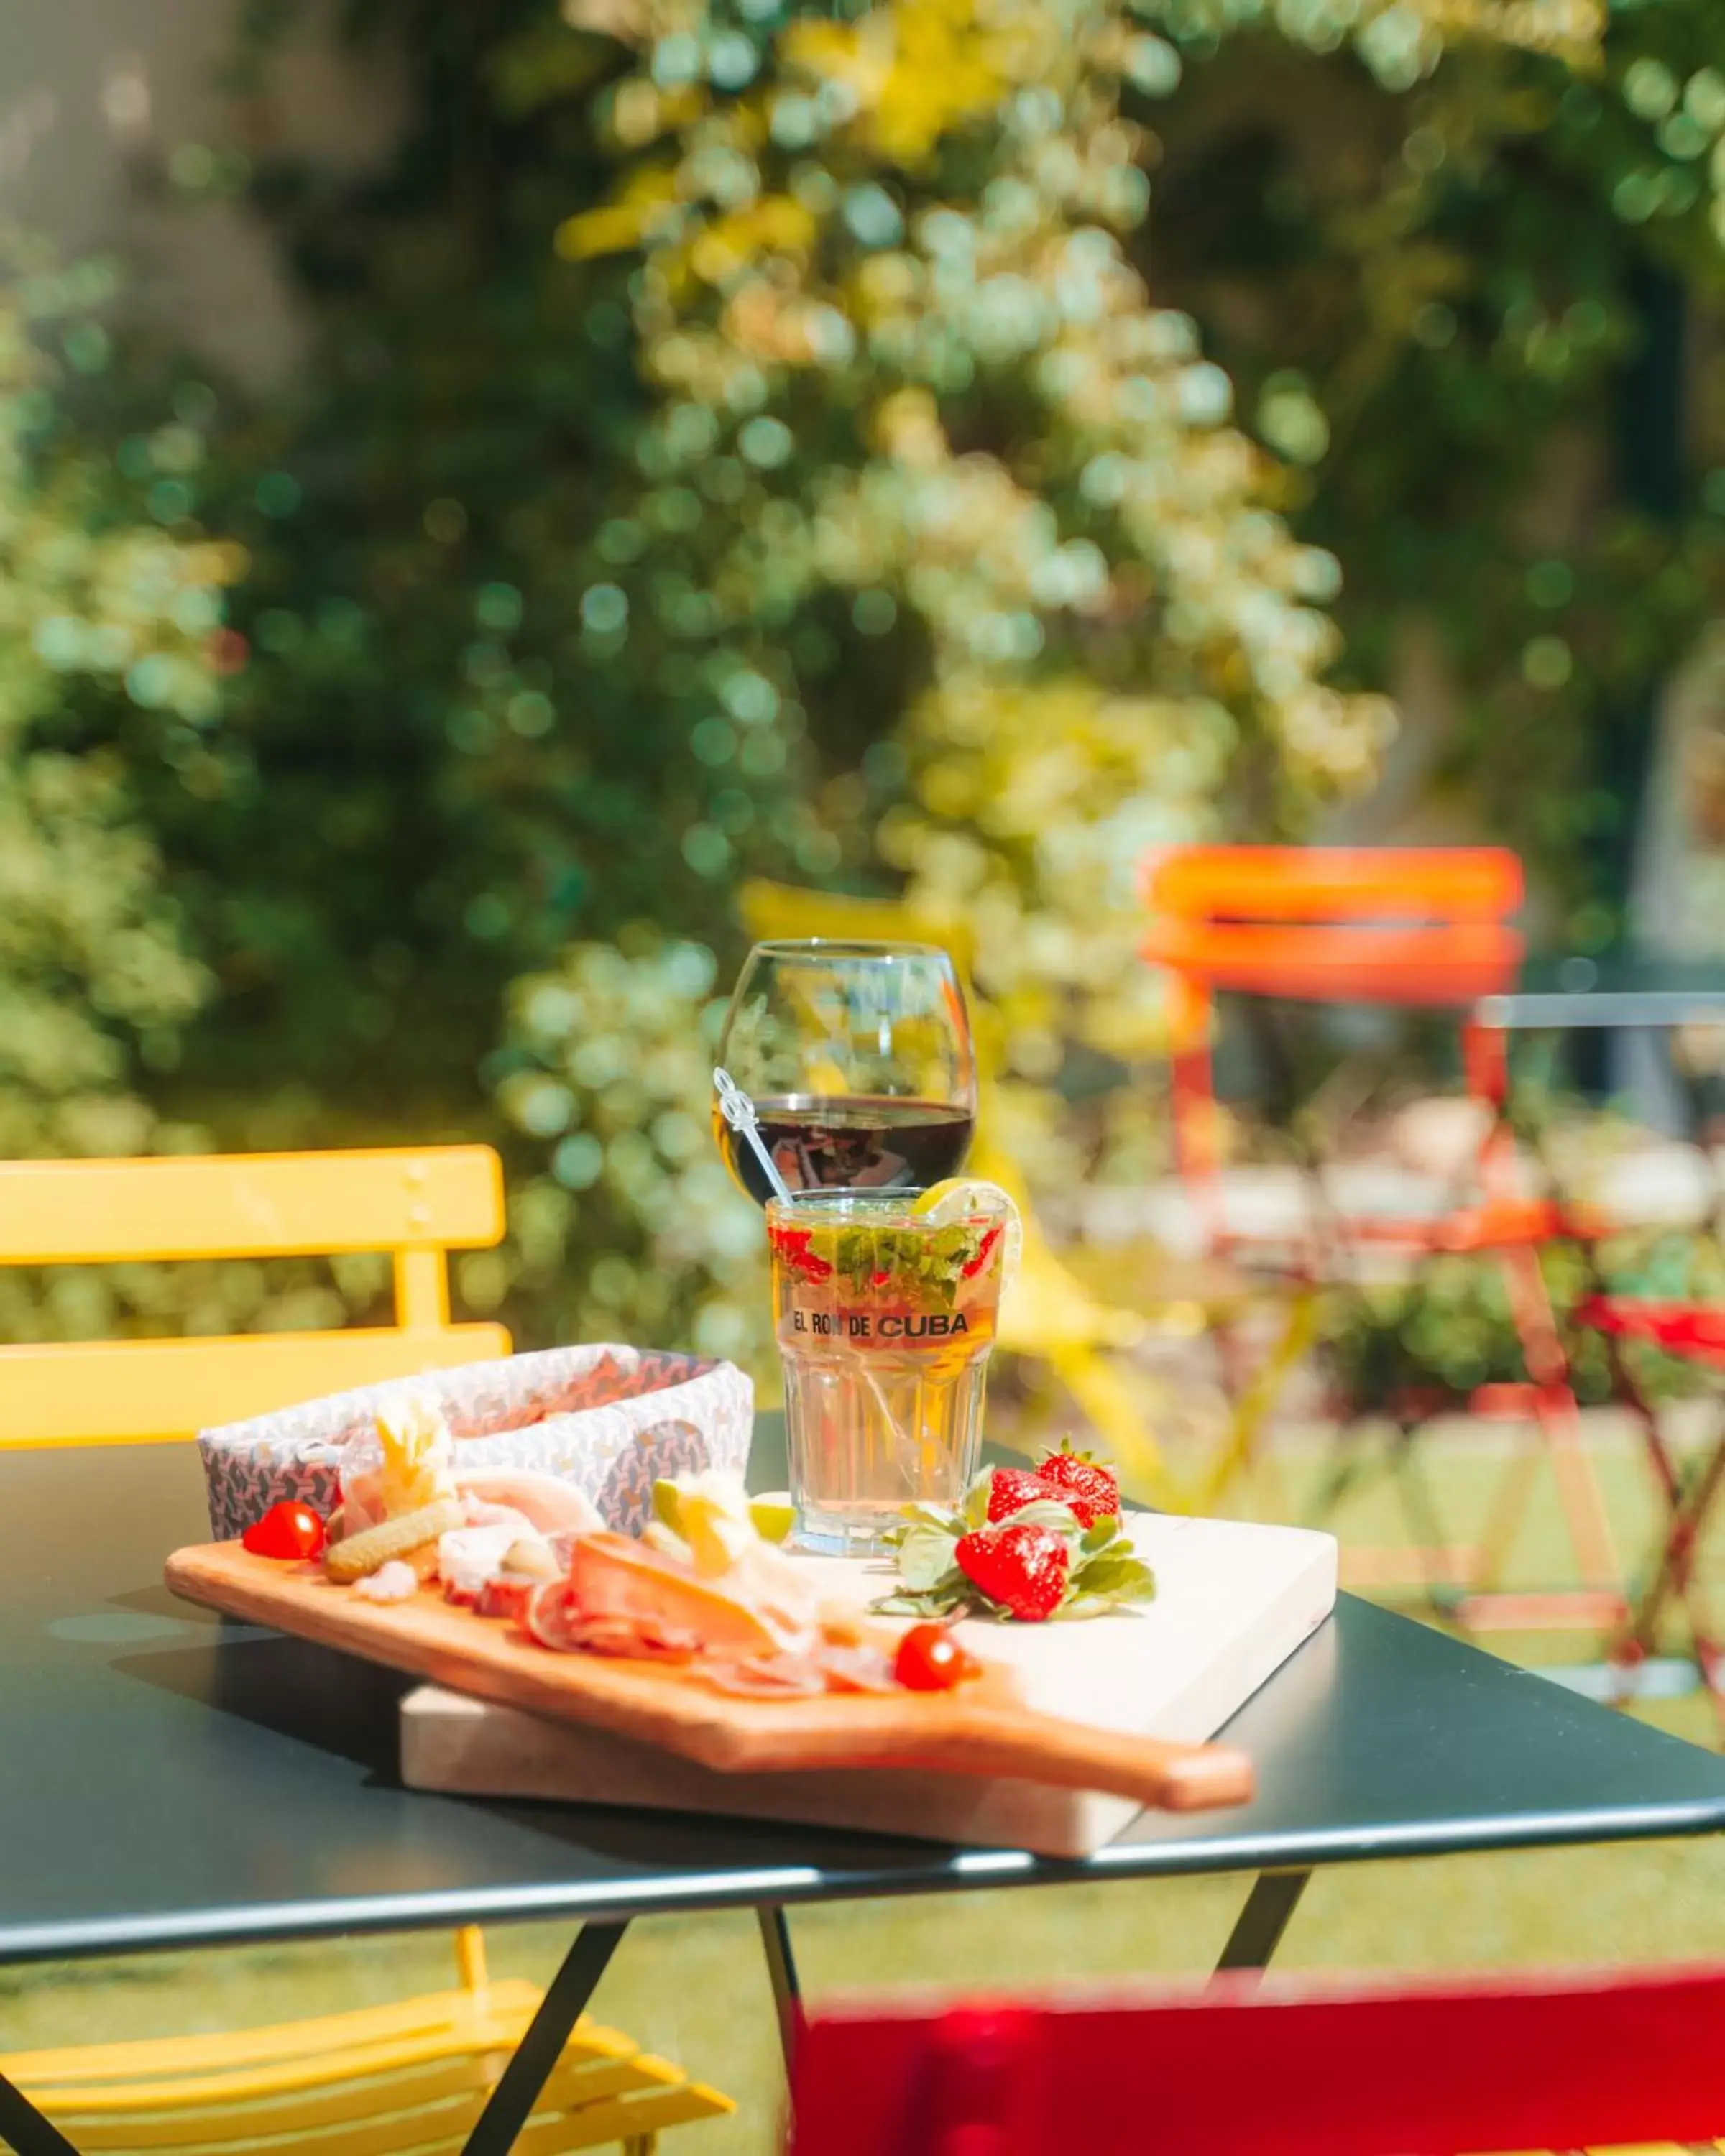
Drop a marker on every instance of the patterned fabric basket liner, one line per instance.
(610, 1419)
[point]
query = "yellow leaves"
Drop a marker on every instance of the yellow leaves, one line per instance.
(613, 230)
(852, 53)
(1572, 29)
(950, 788)
(776, 224)
(641, 112)
(884, 283)
(215, 561)
(915, 70)
(647, 196)
(717, 254)
(908, 428)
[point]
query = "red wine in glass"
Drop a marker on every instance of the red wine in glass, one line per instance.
(858, 1058)
(850, 1143)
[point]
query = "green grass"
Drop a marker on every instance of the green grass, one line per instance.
(696, 1989)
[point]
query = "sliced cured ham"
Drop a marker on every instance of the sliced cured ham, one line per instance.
(766, 1677)
(625, 1598)
(550, 1505)
(612, 1578)
(555, 1618)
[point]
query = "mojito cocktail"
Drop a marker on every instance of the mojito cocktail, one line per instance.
(885, 1306)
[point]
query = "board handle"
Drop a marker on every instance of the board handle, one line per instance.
(1046, 1747)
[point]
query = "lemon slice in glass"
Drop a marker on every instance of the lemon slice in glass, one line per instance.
(963, 1197)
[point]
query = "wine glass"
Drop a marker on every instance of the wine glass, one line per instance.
(858, 1058)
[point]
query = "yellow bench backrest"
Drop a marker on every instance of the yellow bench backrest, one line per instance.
(415, 1203)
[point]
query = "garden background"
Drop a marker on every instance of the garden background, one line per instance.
(479, 483)
(476, 484)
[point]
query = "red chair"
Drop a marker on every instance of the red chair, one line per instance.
(1696, 1332)
(1404, 928)
(1554, 2063)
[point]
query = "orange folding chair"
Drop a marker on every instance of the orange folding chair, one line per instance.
(1424, 929)
(1585, 2062)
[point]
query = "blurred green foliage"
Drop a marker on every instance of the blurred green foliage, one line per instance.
(1477, 323)
(108, 631)
(115, 658)
(948, 446)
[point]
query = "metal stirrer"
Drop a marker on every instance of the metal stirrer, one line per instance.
(738, 1110)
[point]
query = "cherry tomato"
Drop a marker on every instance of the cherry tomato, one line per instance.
(286, 1531)
(930, 1659)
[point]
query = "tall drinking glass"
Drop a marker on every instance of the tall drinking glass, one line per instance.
(858, 1058)
(885, 1307)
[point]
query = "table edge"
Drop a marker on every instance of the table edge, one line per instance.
(962, 1871)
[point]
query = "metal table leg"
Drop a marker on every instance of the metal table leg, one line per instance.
(25, 2130)
(781, 1968)
(1258, 1928)
(511, 2101)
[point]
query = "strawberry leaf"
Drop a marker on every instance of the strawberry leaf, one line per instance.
(974, 1511)
(1102, 1532)
(919, 1605)
(1119, 1575)
(1093, 1605)
(926, 1560)
(926, 1515)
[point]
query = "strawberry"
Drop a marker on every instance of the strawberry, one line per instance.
(1023, 1569)
(1075, 1478)
(1014, 1487)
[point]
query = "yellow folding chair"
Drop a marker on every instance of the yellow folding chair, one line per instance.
(416, 1203)
(415, 2075)
(1048, 1315)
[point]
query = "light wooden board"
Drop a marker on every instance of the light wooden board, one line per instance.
(1233, 1602)
(980, 1729)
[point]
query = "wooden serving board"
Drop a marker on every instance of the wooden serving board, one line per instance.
(1232, 1601)
(974, 1731)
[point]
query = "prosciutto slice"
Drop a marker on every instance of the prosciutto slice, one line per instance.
(766, 1677)
(555, 1617)
(550, 1505)
(623, 1599)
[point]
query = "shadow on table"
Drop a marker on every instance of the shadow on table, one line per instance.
(346, 1707)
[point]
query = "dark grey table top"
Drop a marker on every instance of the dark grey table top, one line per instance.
(167, 1779)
